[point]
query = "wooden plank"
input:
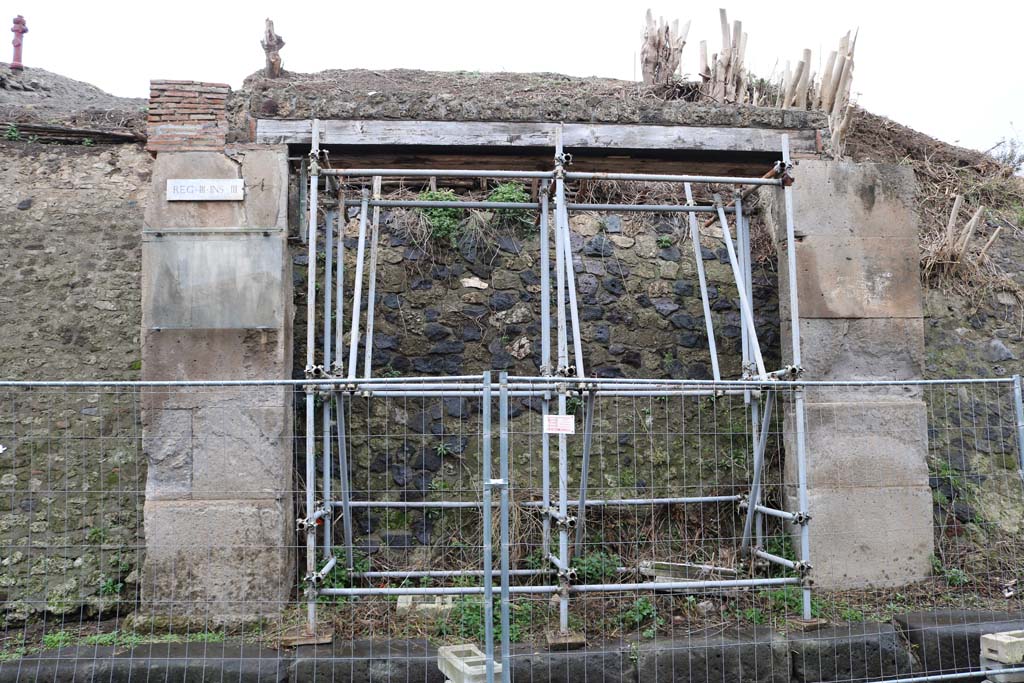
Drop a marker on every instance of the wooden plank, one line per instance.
(397, 158)
(595, 136)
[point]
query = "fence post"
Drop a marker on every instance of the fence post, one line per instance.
(485, 418)
(506, 665)
(1018, 409)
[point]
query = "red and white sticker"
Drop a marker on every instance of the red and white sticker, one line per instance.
(560, 424)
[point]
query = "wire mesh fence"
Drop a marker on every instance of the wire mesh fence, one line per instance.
(147, 525)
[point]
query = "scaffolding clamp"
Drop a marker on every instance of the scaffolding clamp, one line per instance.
(787, 174)
(496, 484)
(567, 576)
(804, 570)
(314, 162)
(801, 518)
(314, 520)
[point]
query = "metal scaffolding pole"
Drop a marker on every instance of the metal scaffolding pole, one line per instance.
(702, 280)
(755, 487)
(326, 408)
(338, 368)
(563, 363)
(488, 544)
(588, 430)
(314, 179)
(505, 484)
(357, 293)
(746, 312)
(798, 398)
(545, 362)
(371, 293)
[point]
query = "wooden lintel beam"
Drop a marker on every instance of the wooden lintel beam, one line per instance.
(593, 137)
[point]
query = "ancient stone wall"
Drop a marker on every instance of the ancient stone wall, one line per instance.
(71, 474)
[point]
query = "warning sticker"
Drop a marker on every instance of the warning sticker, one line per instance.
(560, 424)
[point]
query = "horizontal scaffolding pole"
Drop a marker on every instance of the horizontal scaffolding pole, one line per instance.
(367, 383)
(424, 204)
(463, 504)
(582, 588)
(774, 559)
(655, 178)
(639, 208)
(433, 173)
(772, 512)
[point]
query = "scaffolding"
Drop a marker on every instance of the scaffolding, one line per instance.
(563, 377)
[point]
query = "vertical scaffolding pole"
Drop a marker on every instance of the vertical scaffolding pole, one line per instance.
(798, 399)
(371, 293)
(357, 290)
(563, 364)
(314, 178)
(326, 408)
(699, 258)
(338, 369)
(1018, 411)
(506, 649)
(588, 431)
(488, 543)
(545, 364)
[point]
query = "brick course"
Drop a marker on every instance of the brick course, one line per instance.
(187, 116)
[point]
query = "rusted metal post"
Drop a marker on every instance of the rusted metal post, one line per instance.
(19, 29)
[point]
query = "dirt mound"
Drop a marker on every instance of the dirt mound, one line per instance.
(37, 96)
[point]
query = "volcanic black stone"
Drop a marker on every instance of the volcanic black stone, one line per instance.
(665, 307)
(435, 331)
(599, 246)
(632, 358)
(509, 245)
(616, 267)
(722, 304)
(426, 459)
(614, 285)
(669, 254)
(422, 528)
(691, 340)
(448, 346)
(591, 312)
(685, 321)
(683, 288)
(413, 254)
(602, 334)
(391, 301)
(586, 284)
(471, 333)
(613, 224)
(502, 301)
(529, 277)
(665, 226)
(608, 371)
(385, 341)
(25, 204)
(706, 254)
(456, 407)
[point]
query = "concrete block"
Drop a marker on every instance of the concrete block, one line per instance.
(241, 452)
(265, 170)
(363, 661)
(862, 445)
(161, 214)
(853, 652)
(222, 562)
(741, 656)
(1006, 647)
(858, 349)
(947, 641)
(991, 668)
(868, 537)
(432, 605)
(213, 281)
(464, 664)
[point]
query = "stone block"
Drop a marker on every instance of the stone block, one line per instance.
(853, 652)
(608, 663)
(853, 277)
(868, 537)
(167, 445)
(1006, 647)
(464, 664)
(367, 660)
(265, 170)
(219, 562)
(431, 605)
(241, 452)
(862, 445)
(161, 214)
(858, 349)
(947, 641)
(742, 656)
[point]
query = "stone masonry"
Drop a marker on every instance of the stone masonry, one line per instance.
(216, 305)
(860, 319)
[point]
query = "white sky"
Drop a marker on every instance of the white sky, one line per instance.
(953, 71)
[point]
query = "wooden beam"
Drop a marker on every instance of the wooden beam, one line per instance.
(576, 136)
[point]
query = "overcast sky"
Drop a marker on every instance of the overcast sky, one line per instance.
(950, 70)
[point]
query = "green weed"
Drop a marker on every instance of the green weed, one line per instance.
(445, 222)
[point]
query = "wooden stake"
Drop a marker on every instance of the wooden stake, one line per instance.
(995, 234)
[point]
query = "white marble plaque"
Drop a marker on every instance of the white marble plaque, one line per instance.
(205, 189)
